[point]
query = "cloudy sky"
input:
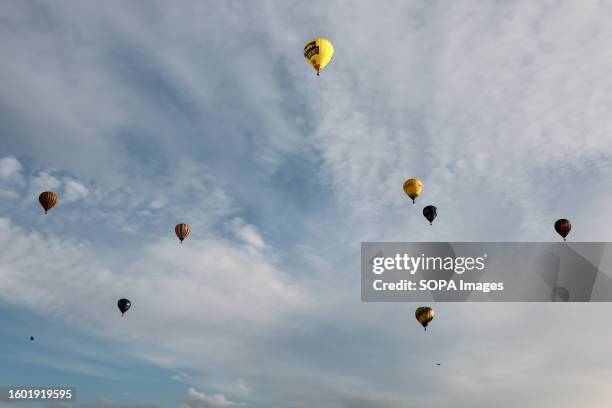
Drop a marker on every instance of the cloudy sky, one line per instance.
(141, 115)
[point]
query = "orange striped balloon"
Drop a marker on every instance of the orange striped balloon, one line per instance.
(47, 199)
(182, 231)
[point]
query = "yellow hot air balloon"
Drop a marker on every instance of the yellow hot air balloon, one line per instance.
(412, 188)
(318, 53)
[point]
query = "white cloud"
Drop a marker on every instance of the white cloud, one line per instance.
(217, 299)
(246, 232)
(74, 190)
(8, 194)
(197, 399)
(158, 202)
(182, 377)
(44, 181)
(237, 388)
(10, 169)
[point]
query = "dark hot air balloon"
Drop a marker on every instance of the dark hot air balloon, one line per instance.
(559, 294)
(424, 315)
(563, 227)
(430, 212)
(47, 199)
(124, 305)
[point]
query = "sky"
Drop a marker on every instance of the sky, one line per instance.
(141, 115)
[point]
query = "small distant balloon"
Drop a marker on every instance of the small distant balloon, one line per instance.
(563, 227)
(31, 338)
(379, 254)
(424, 315)
(182, 231)
(430, 212)
(124, 305)
(47, 200)
(559, 294)
(412, 188)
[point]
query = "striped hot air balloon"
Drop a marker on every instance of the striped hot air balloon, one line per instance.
(47, 199)
(424, 315)
(182, 231)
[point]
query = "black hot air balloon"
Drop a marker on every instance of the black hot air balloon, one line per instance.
(559, 294)
(563, 227)
(430, 212)
(31, 338)
(124, 305)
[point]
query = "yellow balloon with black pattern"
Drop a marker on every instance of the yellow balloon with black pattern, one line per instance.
(318, 53)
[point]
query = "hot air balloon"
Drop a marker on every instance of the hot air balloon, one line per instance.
(563, 227)
(318, 53)
(47, 199)
(559, 294)
(124, 305)
(430, 212)
(412, 188)
(31, 338)
(424, 315)
(182, 231)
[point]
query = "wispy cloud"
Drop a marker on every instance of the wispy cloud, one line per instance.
(248, 295)
(10, 169)
(74, 190)
(197, 399)
(9, 194)
(247, 233)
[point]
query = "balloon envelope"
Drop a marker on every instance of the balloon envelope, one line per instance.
(318, 53)
(124, 305)
(559, 294)
(182, 231)
(412, 188)
(430, 212)
(563, 227)
(424, 315)
(47, 200)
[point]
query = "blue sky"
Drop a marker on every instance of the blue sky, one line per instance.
(141, 115)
